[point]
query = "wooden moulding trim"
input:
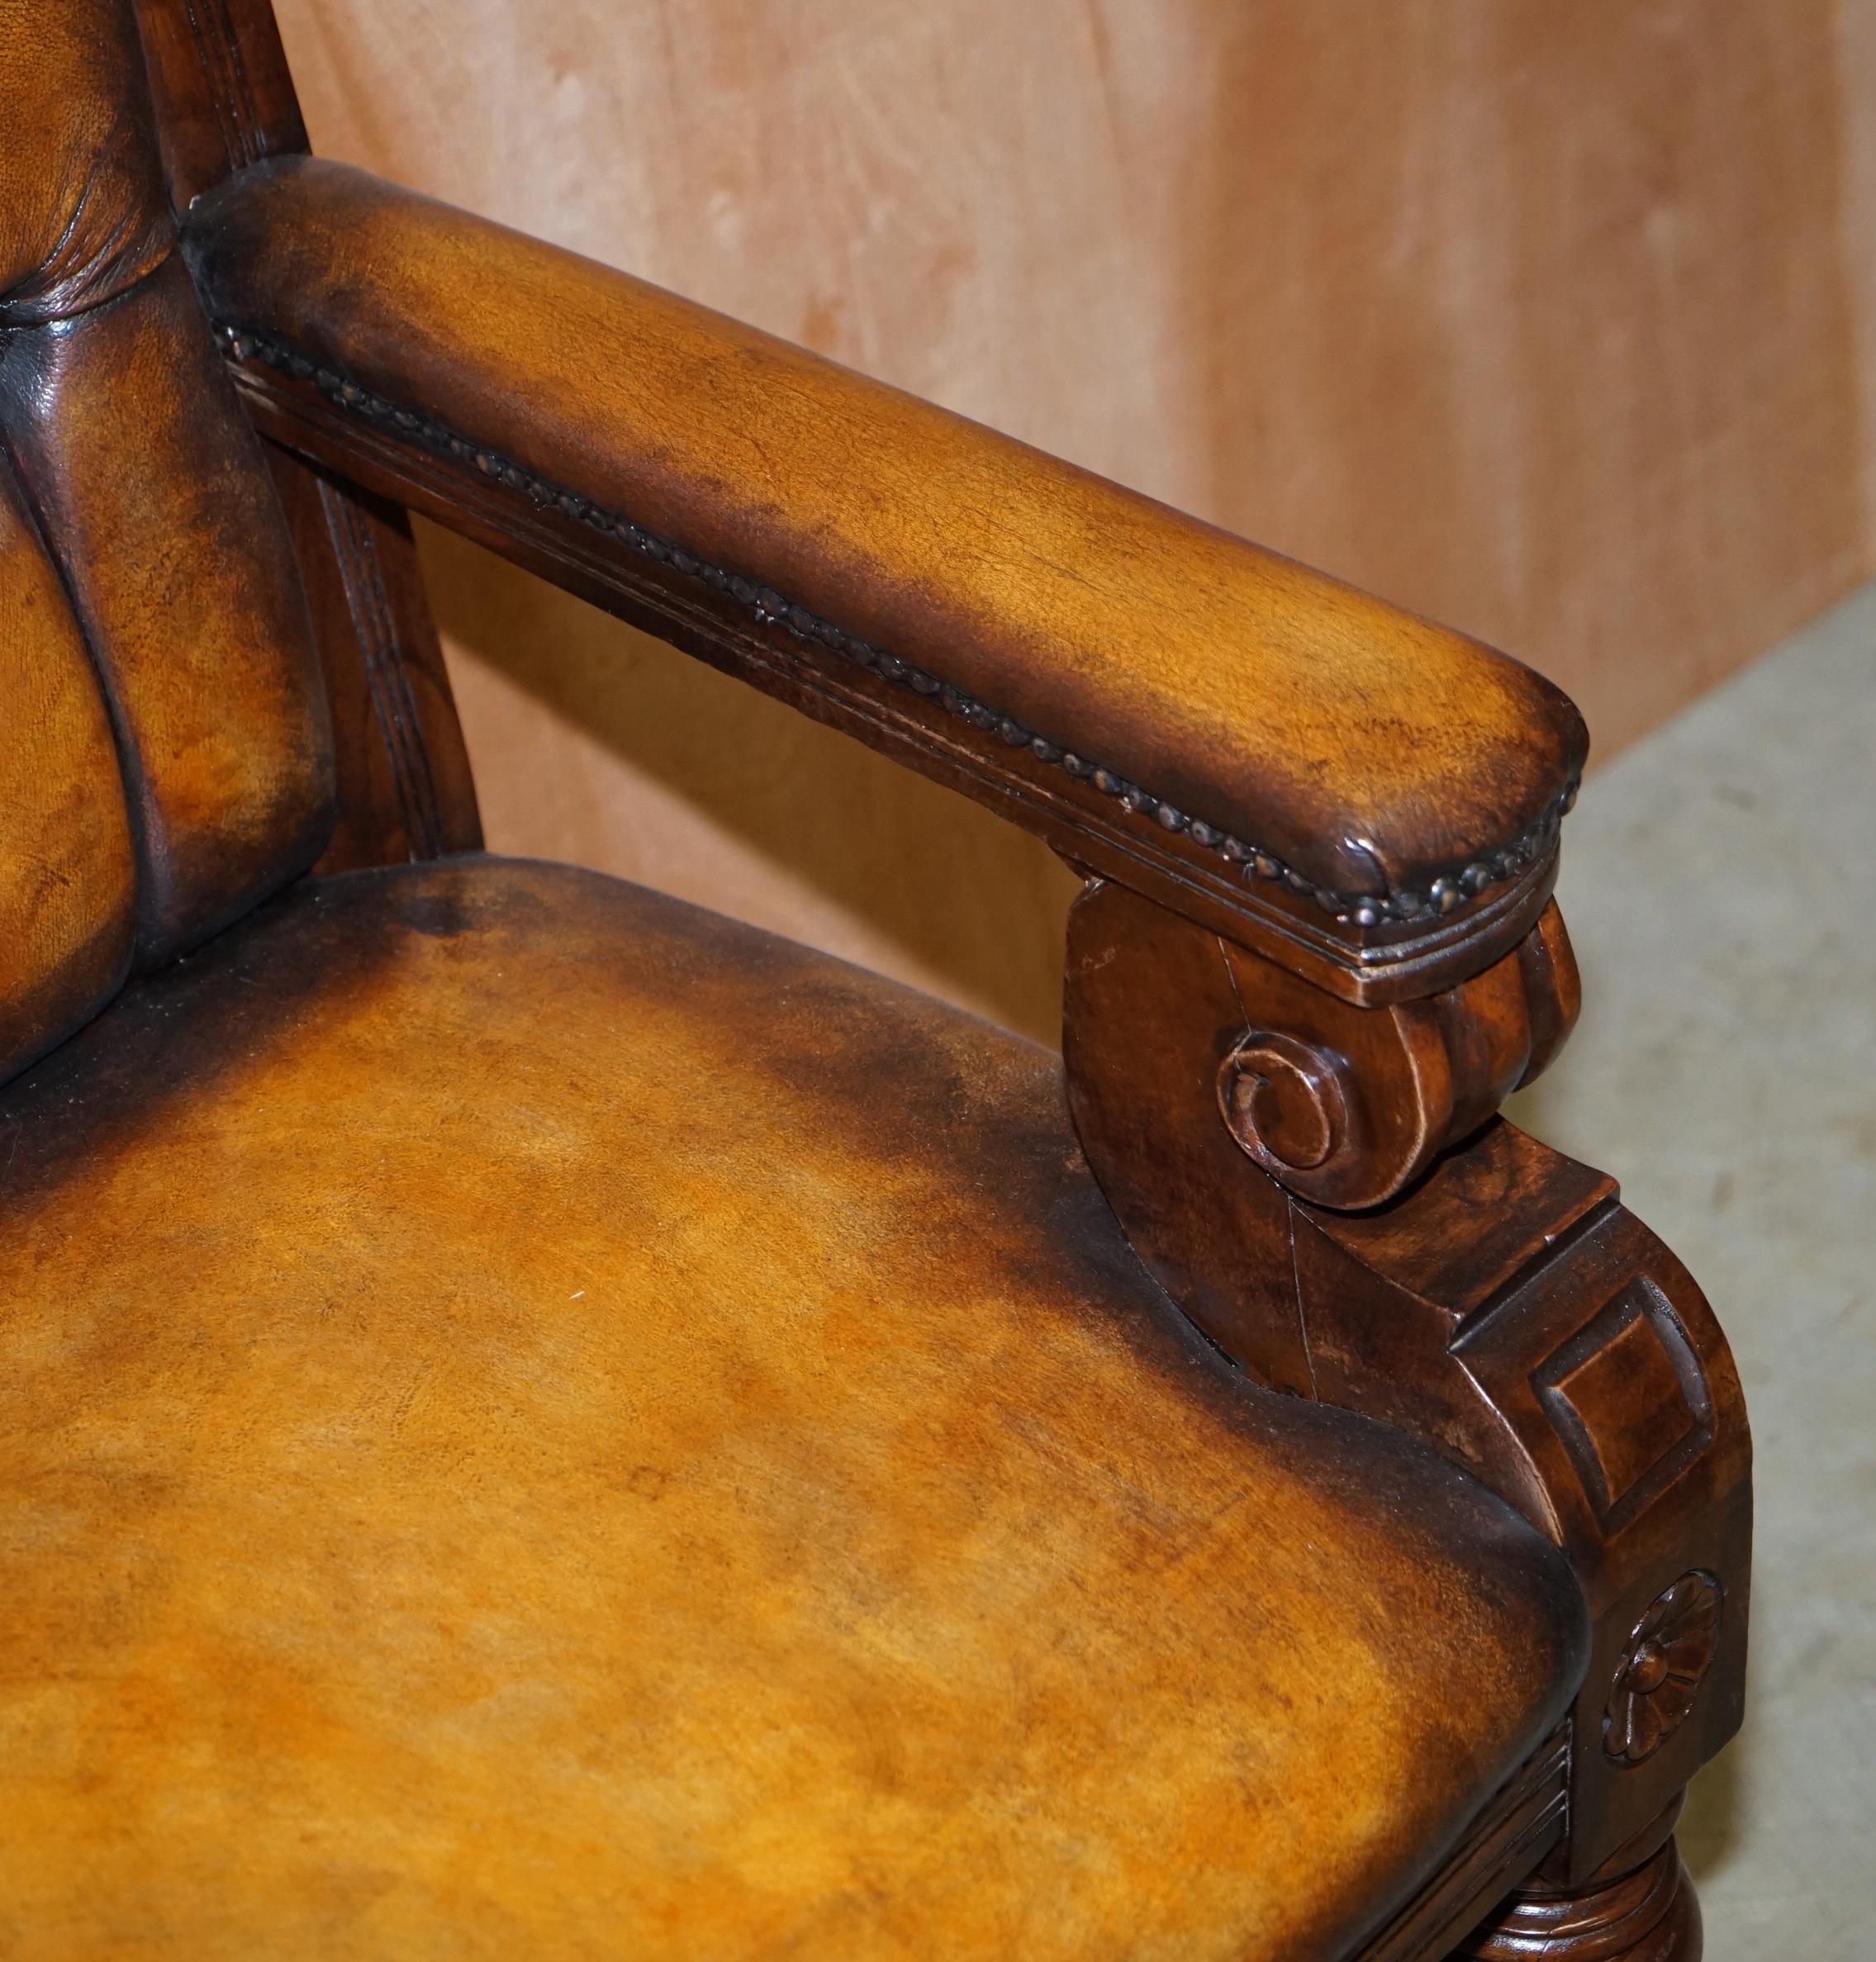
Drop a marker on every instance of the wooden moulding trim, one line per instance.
(1523, 1822)
(1418, 924)
(218, 48)
(385, 676)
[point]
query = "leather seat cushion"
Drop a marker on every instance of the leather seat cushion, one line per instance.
(536, 1421)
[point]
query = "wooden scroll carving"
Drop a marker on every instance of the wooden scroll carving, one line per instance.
(1327, 1191)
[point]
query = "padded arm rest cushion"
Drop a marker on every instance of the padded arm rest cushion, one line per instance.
(1246, 699)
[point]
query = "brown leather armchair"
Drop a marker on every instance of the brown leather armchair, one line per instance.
(540, 1421)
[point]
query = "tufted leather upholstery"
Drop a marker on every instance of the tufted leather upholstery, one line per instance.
(168, 760)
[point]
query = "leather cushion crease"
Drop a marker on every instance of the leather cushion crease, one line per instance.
(83, 210)
(539, 1421)
(1370, 750)
(132, 473)
(67, 878)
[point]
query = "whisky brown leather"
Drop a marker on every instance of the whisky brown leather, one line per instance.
(84, 213)
(146, 486)
(1372, 752)
(68, 893)
(536, 1419)
(151, 486)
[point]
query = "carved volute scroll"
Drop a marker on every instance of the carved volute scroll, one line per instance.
(1344, 1105)
(1326, 1191)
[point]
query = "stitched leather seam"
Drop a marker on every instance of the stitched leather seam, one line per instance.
(1252, 862)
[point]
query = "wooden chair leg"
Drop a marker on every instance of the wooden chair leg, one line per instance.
(1646, 1912)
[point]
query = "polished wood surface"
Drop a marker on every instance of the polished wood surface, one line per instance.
(1323, 1189)
(1543, 321)
(404, 786)
(474, 1522)
(1639, 1906)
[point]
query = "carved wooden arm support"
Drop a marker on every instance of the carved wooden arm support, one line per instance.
(1491, 1295)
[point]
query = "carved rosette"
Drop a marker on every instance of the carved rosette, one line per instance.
(1661, 1669)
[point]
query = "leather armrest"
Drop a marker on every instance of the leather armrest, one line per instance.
(1369, 798)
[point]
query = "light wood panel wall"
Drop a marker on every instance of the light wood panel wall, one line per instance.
(1546, 321)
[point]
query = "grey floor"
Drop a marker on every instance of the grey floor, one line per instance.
(1719, 884)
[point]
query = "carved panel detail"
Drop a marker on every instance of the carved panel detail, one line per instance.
(1285, 1102)
(1627, 1395)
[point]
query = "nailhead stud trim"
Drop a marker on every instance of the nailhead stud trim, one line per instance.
(1250, 862)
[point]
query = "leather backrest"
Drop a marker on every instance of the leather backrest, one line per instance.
(166, 761)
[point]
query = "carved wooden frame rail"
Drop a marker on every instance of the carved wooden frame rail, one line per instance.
(1523, 1823)
(1291, 1106)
